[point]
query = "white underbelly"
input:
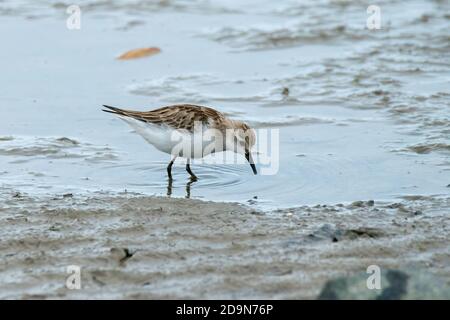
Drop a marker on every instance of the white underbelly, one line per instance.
(177, 142)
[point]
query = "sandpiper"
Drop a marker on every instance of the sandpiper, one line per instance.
(166, 126)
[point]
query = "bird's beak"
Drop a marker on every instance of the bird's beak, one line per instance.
(249, 158)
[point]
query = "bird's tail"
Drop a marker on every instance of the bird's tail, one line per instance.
(125, 114)
(115, 110)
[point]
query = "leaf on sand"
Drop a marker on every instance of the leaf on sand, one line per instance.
(139, 53)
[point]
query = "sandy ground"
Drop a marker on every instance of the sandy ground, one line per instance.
(133, 247)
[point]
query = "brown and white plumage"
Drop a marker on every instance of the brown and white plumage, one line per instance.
(181, 116)
(158, 127)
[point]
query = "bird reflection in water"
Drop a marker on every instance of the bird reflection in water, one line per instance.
(188, 187)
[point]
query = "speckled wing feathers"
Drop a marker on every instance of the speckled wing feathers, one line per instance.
(181, 116)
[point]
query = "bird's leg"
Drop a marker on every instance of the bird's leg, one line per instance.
(188, 189)
(169, 187)
(188, 169)
(169, 168)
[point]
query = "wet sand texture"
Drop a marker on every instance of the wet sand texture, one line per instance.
(141, 247)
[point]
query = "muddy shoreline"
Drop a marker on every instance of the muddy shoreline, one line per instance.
(135, 247)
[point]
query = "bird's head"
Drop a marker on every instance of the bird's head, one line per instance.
(244, 139)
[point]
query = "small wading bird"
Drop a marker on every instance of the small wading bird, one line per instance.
(166, 126)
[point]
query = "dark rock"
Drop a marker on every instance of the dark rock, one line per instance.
(361, 204)
(395, 285)
(378, 92)
(398, 286)
(68, 141)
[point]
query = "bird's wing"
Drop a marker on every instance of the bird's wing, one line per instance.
(181, 116)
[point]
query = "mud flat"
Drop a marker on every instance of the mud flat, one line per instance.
(130, 246)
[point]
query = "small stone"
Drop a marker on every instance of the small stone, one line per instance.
(54, 228)
(357, 204)
(378, 92)
(425, 18)
(121, 254)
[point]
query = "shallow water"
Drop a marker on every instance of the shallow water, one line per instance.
(365, 114)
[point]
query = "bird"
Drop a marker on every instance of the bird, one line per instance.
(177, 129)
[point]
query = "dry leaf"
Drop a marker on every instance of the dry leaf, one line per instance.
(139, 53)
